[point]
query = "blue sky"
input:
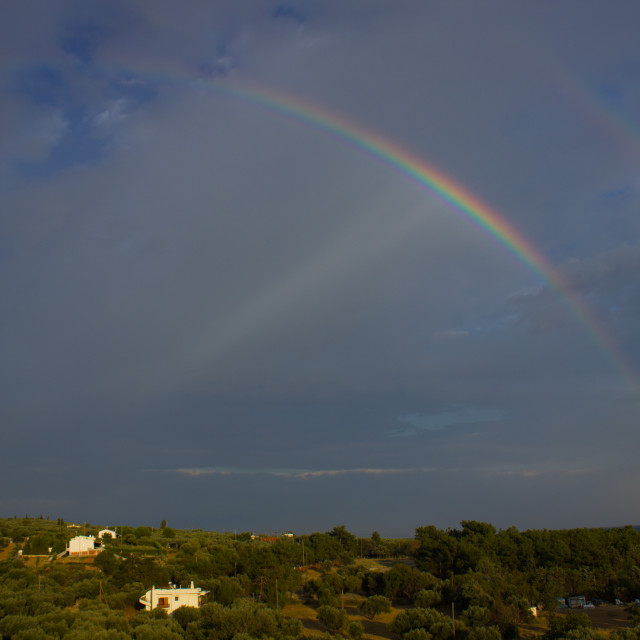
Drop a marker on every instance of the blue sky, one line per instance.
(218, 315)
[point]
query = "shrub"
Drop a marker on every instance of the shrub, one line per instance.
(373, 606)
(332, 618)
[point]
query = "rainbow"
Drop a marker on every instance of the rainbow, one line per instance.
(459, 199)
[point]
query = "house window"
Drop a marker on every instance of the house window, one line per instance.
(163, 603)
(176, 598)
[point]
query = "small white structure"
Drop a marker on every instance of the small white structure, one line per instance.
(83, 546)
(107, 533)
(172, 598)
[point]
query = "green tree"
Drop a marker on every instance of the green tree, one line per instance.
(427, 598)
(560, 626)
(327, 598)
(355, 630)
(476, 616)
(331, 617)
(159, 630)
(142, 532)
(348, 541)
(186, 615)
(484, 633)
(417, 634)
(106, 561)
(373, 606)
(403, 581)
(416, 619)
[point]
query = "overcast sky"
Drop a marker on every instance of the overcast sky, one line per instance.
(220, 314)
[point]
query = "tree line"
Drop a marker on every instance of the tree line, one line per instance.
(470, 583)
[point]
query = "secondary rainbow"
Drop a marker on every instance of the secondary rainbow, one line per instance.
(460, 199)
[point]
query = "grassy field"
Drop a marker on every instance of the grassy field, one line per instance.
(382, 564)
(608, 617)
(7, 551)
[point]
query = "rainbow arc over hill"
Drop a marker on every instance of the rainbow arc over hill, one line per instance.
(460, 200)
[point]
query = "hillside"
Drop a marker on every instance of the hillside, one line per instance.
(473, 583)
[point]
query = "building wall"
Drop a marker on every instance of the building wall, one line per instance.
(113, 534)
(172, 599)
(82, 545)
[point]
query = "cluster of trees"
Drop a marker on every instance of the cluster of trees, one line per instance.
(598, 563)
(244, 619)
(472, 583)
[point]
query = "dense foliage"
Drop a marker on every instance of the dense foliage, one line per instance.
(472, 583)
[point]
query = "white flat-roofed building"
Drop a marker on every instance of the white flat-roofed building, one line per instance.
(83, 546)
(172, 598)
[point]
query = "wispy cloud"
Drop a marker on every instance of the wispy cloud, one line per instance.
(438, 421)
(615, 193)
(304, 474)
(536, 471)
(112, 114)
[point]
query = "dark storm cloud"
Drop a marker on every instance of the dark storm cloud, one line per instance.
(195, 283)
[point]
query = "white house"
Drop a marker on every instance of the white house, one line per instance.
(172, 598)
(83, 546)
(107, 533)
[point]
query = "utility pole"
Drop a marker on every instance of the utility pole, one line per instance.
(103, 595)
(453, 619)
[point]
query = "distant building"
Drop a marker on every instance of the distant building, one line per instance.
(107, 533)
(83, 546)
(172, 598)
(264, 537)
(576, 602)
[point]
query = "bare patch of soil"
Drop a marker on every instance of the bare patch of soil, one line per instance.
(609, 617)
